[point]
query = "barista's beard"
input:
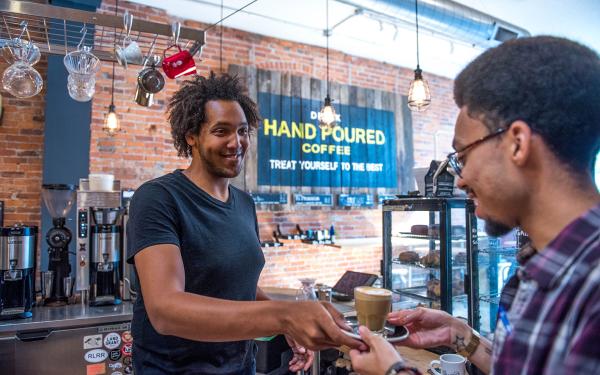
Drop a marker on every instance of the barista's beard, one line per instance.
(496, 229)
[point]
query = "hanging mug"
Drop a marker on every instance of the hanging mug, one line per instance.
(179, 64)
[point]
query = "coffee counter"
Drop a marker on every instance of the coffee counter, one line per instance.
(69, 316)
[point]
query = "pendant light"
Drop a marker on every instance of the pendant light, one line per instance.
(327, 115)
(111, 120)
(419, 96)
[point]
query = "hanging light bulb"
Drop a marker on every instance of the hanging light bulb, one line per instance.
(327, 115)
(419, 97)
(111, 121)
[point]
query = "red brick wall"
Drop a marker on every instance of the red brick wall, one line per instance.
(21, 153)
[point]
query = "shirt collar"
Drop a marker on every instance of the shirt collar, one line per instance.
(550, 265)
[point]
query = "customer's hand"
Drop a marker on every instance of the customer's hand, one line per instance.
(317, 325)
(380, 357)
(428, 327)
(302, 359)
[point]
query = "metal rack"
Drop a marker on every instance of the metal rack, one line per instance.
(57, 30)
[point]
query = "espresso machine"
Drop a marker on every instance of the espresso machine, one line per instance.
(58, 199)
(99, 244)
(18, 245)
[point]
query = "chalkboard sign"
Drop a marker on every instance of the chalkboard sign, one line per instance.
(270, 198)
(355, 200)
(313, 199)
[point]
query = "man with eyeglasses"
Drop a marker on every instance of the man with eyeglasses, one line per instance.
(526, 138)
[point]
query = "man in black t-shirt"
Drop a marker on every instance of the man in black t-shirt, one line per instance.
(194, 241)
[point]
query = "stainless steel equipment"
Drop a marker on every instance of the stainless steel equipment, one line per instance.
(85, 200)
(130, 284)
(58, 199)
(18, 246)
(105, 256)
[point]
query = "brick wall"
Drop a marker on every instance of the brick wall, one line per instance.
(21, 153)
(144, 149)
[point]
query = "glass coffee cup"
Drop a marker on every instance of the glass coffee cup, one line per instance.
(372, 307)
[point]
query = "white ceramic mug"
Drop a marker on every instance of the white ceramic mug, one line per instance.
(450, 364)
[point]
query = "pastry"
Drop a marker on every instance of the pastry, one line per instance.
(421, 230)
(408, 257)
(431, 260)
(434, 288)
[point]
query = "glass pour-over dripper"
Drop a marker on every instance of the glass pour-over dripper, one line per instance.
(58, 198)
(307, 290)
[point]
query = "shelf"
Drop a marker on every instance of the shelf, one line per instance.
(420, 292)
(510, 251)
(493, 299)
(57, 30)
(458, 266)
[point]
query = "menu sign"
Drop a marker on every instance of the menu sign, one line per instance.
(293, 150)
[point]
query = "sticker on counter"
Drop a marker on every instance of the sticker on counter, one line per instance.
(92, 342)
(128, 370)
(116, 365)
(112, 340)
(127, 361)
(126, 350)
(115, 327)
(95, 356)
(97, 369)
(117, 373)
(127, 337)
(114, 355)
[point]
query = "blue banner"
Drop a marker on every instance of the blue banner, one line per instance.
(294, 151)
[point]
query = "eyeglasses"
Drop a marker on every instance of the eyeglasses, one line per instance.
(455, 161)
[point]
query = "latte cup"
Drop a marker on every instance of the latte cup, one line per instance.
(372, 307)
(449, 364)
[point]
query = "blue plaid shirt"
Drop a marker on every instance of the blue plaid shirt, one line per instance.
(553, 307)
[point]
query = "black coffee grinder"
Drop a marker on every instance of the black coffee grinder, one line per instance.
(105, 256)
(58, 199)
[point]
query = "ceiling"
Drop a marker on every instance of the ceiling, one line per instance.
(304, 21)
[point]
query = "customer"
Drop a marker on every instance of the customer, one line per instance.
(526, 137)
(193, 238)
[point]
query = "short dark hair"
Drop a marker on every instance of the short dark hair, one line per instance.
(187, 107)
(552, 84)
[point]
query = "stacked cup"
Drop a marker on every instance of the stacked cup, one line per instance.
(21, 79)
(82, 66)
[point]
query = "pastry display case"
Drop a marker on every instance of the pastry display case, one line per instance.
(428, 247)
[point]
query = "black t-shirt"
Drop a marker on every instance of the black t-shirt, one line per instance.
(222, 258)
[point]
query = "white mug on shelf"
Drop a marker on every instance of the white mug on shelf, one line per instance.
(450, 364)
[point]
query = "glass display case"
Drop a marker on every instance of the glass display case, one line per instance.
(428, 246)
(436, 254)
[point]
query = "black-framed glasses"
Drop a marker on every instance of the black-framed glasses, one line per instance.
(456, 163)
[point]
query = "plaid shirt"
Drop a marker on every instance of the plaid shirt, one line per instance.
(553, 307)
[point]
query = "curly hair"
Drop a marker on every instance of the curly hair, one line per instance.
(552, 84)
(187, 112)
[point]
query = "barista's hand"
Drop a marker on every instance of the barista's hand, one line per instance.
(303, 358)
(380, 357)
(317, 325)
(428, 327)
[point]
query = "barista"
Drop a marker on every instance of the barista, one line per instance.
(195, 245)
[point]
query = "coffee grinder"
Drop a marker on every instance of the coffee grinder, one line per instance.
(58, 199)
(105, 256)
(18, 245)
